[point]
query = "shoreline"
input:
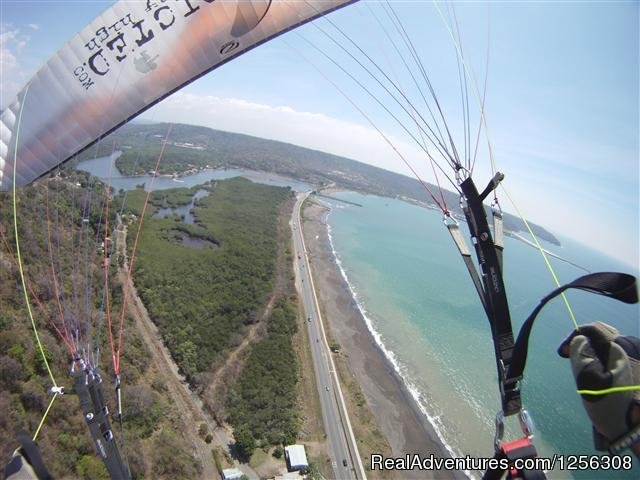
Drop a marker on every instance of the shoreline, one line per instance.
(399, 416)
(388, 354)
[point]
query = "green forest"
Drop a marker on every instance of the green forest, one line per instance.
(201, 297)
(262, 406)
(139, 149)
(204, 298)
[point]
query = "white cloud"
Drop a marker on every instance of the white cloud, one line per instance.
(34, 26)
(7, 34)
(12, 74)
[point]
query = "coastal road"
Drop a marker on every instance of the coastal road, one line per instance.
(341, 441)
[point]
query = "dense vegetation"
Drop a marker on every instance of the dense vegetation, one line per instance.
(224, 149)
(202, 297)
(140, 150)
(151, 422)
(262, 406)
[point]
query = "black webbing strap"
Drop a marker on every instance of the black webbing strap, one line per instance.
(493, 184)
(89, 389)
(29, 453)
(32, 453)
(494, 294)
(619, 286)
(497, 473)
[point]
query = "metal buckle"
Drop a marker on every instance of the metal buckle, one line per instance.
(449, 220)
(57, 391)
(510, 384)
(526, 425)
(495, 206)
(505, 382)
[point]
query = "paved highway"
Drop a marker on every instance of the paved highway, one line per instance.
(342, 447)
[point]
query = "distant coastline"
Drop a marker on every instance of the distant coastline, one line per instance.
(193, 148)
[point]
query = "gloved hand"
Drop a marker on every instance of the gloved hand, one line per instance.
(600, 359)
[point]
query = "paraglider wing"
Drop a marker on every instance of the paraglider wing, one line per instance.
(126, 60)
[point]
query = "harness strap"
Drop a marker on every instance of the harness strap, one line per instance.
(619, 286)
(26, 463)
(493, 292)
(498, 234)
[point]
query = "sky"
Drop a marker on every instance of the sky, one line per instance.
(562, 100)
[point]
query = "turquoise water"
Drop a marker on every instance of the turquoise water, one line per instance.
(414, 289)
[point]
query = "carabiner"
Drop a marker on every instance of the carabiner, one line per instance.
(449, 219)
(527, 425)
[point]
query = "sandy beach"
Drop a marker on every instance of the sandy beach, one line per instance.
(407, 430)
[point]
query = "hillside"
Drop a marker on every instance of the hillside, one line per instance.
(193, 147)
(154, 430)
(219, 290)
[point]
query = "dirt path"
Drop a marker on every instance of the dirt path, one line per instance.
(229, 370)
(224, 376)
(190, 406)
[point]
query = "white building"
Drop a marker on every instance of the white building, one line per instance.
(231, 474)
(296, 457)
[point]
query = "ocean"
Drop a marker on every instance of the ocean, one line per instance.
(411, 284)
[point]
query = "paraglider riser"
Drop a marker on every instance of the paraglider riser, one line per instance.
(495, 298)
(88, 387)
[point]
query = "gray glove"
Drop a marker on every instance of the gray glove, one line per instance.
(600, 359)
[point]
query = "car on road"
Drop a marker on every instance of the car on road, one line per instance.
(344, 462)
(309, 318)
(327, 388)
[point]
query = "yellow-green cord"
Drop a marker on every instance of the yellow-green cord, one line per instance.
(544, 255)
(605, 391)
(46, 412)
(491, 157)
(539, 247)
(627, 388)
(15, 228)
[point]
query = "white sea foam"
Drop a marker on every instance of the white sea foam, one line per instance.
(401, 370)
